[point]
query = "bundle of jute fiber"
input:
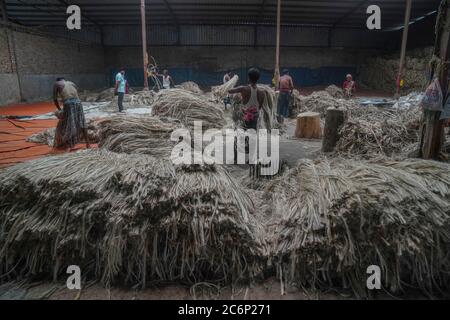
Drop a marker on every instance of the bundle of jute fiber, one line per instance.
(342, 216)
(48, 135)
(267, 115)
(138, 134)
(335, 91)
(188, 107)
(371, 131)
(320, 101)
(376, 70)
(128, 219)
(190, 86)
(95, 96)
(220, 92)
(138, 99)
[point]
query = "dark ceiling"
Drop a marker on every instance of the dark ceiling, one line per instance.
(329, 13)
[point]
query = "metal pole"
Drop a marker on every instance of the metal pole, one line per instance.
(277, 52)
(144, 44)
(404, 43)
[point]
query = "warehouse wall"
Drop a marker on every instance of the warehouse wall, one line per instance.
(202, 53)
(40, 59)
(9, 85)
(206, 65)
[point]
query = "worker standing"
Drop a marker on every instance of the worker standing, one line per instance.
(167, 80)
(120, 88)
(285, 87)
(252, 98)
(227, 77)
(349, 86)
(71, 126)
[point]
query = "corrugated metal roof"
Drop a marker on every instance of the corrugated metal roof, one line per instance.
(330, 13)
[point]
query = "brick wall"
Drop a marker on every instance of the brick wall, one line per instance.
(40, 59)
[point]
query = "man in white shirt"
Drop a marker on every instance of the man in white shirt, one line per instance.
(167, 80)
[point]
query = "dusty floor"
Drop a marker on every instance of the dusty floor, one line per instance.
(268, 290)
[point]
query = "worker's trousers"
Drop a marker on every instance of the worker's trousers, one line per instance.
(120, 100)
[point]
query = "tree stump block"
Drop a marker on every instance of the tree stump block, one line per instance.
(308, 126)
(335, 118)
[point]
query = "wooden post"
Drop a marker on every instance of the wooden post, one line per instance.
(308, 126)
(277, 50)
(404, 42)
(432, 135)
(334, 120)
(144, 43)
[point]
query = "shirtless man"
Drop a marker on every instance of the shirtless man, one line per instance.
(71, 127)
(285, 86)
(252, 99)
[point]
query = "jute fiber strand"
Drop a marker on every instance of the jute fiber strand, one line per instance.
(220, 92)
(188, 107)
(132, 100)
(371, 131)
(341, 216)
(48, 135)
(127, 218)
(190, 86)
(320, 101)
(138, 134)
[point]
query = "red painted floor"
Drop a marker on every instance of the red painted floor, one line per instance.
(13, 133)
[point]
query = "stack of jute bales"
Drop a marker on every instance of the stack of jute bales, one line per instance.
(380, 73)
(127, 217)
(341, 216)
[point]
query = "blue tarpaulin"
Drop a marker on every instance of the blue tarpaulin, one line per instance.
(303, 77)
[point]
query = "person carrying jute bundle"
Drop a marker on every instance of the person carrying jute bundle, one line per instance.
(71, 126)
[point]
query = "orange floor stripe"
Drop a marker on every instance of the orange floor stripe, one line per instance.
(13, 133)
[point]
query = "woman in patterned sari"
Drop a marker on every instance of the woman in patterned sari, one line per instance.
(71, 128)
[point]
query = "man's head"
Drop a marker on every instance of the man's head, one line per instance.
(349, 77)
(165, 72)
(285, 72)
(253, 75)
(60, 79)
(122, 70)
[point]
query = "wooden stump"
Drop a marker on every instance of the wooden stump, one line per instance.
(334, 120)
(308, 126)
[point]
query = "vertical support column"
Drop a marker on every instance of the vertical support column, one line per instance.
(277, 51)
(144, 44)
(404, 43)
(432, 135)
